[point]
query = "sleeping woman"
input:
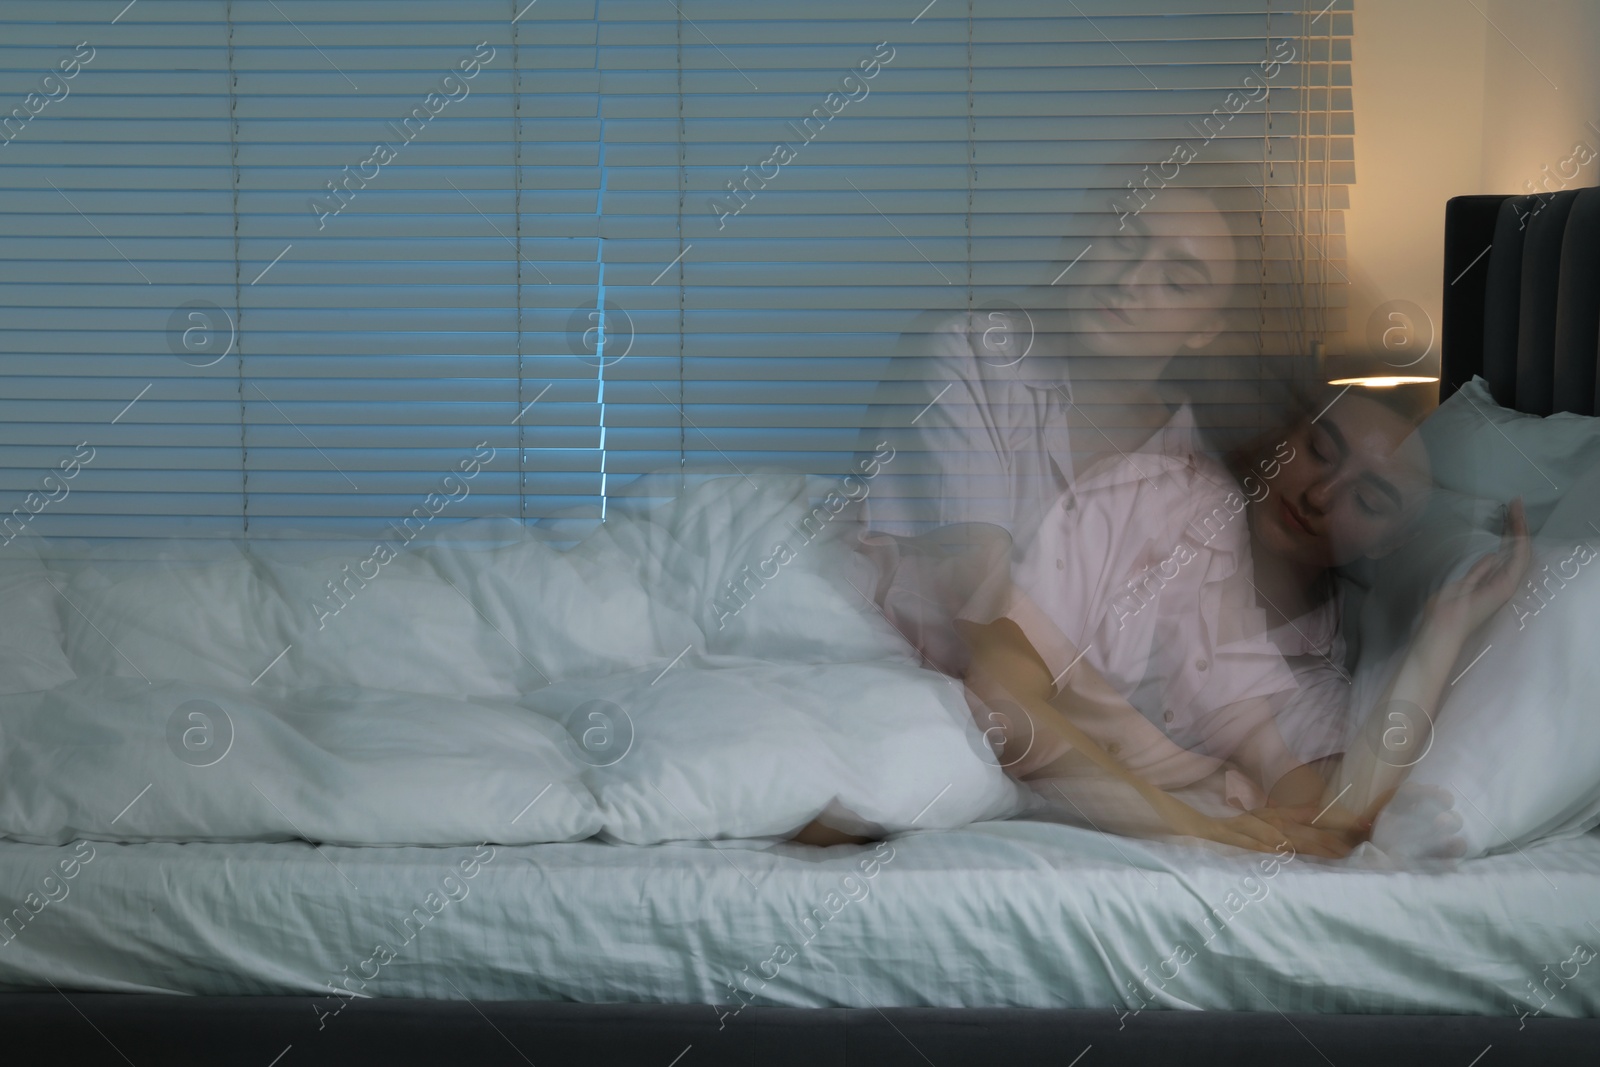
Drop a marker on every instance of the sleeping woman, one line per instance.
(1165, 656)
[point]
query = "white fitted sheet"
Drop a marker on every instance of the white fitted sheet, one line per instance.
(1023, 914)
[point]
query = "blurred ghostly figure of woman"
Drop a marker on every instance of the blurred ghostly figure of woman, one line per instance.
(1164, 654)
(1020, 399)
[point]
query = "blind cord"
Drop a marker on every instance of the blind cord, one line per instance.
(238, 298)
(1261, 239)
(683, 408)
(516, 192)
(972, 162)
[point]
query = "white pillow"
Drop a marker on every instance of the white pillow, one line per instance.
(734, 748)
(1517, 741)
(1483, 455)
(572, 614)
(761, 565)
(118, 759)
(1483, 450)
(403, 628)
(225, 616)
(211, 621)
(31, 654)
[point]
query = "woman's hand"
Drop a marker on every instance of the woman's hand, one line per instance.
(1331, 831)
(1369, 772)
(1466, 603)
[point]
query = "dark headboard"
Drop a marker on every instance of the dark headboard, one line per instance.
(1522, 299)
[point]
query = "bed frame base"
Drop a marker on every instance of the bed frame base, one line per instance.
(92, 1028)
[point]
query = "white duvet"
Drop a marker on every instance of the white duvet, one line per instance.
(705, 670)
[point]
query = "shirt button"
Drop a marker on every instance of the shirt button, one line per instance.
(1166, 716)
(1200, 664)
(1061, 565)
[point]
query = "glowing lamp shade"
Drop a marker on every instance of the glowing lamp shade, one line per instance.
(1383, 381)
(1401, 349)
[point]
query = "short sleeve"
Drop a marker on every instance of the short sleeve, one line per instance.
(951, 466)
(979, 451)
(924, 583)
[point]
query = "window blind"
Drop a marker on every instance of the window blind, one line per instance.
(291, 264)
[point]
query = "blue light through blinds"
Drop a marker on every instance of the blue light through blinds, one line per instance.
(289, 264)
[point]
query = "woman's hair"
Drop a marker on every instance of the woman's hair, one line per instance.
(1412, 403)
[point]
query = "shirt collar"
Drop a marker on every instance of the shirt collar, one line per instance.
(1173, 448)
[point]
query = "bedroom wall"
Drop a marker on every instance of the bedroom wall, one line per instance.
(1455, 97)
(1541, 96)
(1417, 72)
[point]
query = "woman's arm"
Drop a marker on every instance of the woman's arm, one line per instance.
(1006, 670)
(1264, 755)
(1398, 730)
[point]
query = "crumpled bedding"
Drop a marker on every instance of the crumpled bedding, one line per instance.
(709, 668)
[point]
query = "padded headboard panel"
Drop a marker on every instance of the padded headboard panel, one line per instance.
(1522, 299)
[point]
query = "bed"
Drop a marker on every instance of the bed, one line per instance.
(1004, 940)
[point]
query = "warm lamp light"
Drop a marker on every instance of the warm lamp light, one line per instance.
(1399, 350)
(1379, 381)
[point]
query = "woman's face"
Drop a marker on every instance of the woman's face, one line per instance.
(1156, 281)
(1343, 485)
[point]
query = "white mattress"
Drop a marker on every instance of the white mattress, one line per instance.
(1017, 914)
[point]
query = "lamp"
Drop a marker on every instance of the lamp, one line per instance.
(1400, 349)
(1382, 381)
